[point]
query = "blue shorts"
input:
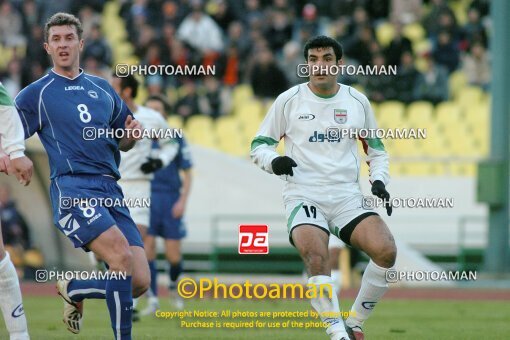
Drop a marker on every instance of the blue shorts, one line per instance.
(162, 223)
(83, 224)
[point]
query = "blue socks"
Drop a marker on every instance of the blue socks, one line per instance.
(119, 298)
(175, 271)
(86, 289)
(154, 273)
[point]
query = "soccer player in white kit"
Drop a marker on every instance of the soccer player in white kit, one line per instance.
(12, 161)
(322, 194)
(138, 164)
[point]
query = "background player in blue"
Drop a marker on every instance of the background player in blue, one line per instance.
(170, 189)
(68, 108)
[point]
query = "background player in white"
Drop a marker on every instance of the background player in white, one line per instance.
(322, 194)
(139, 163)
(12, 161)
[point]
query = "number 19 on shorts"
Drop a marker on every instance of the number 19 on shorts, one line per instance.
(253, 239)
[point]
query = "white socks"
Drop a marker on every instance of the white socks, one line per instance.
(135, 302)
(11, 302)
(328, 308)
(336, 276)
(373, 287)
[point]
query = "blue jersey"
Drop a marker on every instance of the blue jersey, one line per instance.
(168, 179)
(67, 114)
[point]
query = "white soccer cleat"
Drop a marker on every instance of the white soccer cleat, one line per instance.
(152, 307)
(73, 311)
(175, 299)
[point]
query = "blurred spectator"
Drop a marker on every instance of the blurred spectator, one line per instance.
(292, 57)
(446, 52)
(476, 66)
(96, 47)
(406, 78)
(279, 30)
(309, 21)
(30, 16)
(187, 105)
(93, 66)
(11, 26)
(348, 78)
(342, 8)
(229, 66)
(253, 15)
(380, 87)
(473, 30)
(378, 9)
(12, 79)
(432, 85)
(341, 30)
(439, 18)
(267, 79)
(36, 52)
(238, 37)
(360, 48)
(221, 13)
(406, 11)
(15, 231)
(216, 101)
(398, 45)
(155, 84)
(200, 31)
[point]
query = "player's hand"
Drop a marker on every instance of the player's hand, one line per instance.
(5, 163)
(283, 166)
(379, 190)
(131, 125)
(22, 168)
(178, 208)
(151, 165)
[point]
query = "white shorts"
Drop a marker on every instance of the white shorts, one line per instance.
(332, 209)
(137, 190)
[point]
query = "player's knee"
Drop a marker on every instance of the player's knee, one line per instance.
(387, 256)
(122, 260)
(141, 285)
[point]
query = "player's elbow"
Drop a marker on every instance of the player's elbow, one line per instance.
(126, 145)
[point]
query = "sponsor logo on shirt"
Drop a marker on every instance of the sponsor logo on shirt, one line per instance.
(332, 134)
(306, 116)
(74, 88)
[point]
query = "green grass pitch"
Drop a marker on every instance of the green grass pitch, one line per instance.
(392, 319)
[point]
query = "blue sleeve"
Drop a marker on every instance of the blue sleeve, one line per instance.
(184, 156)
(26, 105)
(120, 111)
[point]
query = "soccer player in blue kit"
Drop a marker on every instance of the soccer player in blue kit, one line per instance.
(68, 109)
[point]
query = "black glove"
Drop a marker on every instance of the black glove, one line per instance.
(283, 165)
(379, 190)
(151, 165)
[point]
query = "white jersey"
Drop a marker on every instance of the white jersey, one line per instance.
(12, 136)
(311, 127)
(132, 160)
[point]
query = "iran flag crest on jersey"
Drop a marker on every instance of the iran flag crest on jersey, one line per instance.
(340, 116)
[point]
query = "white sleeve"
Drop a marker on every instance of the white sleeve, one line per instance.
(169, 147)
(11, 130)
(377, 157)
(272, 129)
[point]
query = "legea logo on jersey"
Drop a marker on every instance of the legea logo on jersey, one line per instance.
(253, 239)
(74, 88)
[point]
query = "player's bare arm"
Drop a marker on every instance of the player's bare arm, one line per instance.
(129, 140)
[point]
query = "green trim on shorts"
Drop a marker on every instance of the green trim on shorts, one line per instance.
(293, 215)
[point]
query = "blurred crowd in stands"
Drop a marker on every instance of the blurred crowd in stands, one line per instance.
(259, 42)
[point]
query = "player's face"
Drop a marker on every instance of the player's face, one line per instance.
(156, 105)
(322, 72)
(64, 46)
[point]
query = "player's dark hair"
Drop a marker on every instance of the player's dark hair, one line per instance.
(128, 80)
(161, 99)
(62, 19)
(322, 41)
